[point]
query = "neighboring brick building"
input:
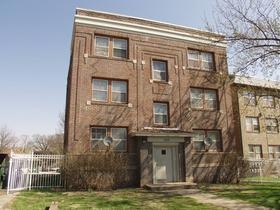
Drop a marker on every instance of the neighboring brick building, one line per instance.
(257, 109)
(159, 90)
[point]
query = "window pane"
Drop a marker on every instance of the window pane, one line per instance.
(161, 119)
(210, 99)
(199, 146)
(198, 140)
(268, 101)
(198, 135)
(99, 95)
(252, 124)
(100, 84)
(193, 55)
(120, 145)
(119, 97)
(158, 75)
(100, 90)
(193, 59)
(196, 98)
(214, 135)
(160, 108)
(160, 113)
(102, 46)
(216, 143)
(120, 48)
(159, 70)
(98, 133)
(271, 125)
(120, 44)
(249, 98)
(119, 133)
(119, 91)
(119, 53)
(207, 60)
(119, 136)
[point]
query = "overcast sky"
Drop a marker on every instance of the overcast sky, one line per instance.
(35, 39)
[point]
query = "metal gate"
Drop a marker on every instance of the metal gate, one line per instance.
(27, 171)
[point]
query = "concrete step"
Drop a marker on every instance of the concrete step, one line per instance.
(171, 186)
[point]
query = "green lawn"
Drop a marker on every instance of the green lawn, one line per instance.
(267, 194)
(118, 199)
(261, 179)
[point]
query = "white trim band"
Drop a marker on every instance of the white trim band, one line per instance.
(143, 29)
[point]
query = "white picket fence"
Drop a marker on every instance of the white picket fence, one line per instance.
(27, 171)
(263, 170)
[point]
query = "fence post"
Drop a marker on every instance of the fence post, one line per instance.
(31, 171)
(9, 172)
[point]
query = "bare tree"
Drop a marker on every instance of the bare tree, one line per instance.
(25, 144)
(252, 29)
(61, 122)
(51, 143)
(48, 143)
(40, 142)
(7, 139)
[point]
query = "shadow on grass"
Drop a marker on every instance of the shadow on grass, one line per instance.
(118, 199)
(267, 195)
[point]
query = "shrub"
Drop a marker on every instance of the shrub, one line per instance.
(96, 171)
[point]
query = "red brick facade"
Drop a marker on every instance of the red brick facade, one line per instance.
(147, 41)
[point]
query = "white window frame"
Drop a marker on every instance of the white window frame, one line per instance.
(114, 91)
(99, 142)
(118, 141)
(249, 121)
(273, 124)
(161, 114)
(100, 90)
(254, 154)
(274, 152)
(216, 144)
(203, 98)
(249, 98)
(104, 47)
(110, 91)
(200, 60)
(268, 101)
(110, 47)
(114, 47)
(160, 70)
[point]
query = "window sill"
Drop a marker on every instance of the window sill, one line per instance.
(205, 152)
(110, 58)
(161, 126)
(109, 104)
(250, 105)
(205, 110)
(104, 150)
(268, 107)
(256, 132)
(200, 70)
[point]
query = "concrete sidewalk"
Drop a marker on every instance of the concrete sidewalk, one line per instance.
(5, 199)
(207, 198)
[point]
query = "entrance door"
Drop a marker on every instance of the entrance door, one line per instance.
(165, 164)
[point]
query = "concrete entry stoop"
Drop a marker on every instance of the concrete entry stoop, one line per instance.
(170, 186)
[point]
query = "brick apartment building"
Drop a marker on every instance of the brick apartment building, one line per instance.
(257, 108)
(161, 92)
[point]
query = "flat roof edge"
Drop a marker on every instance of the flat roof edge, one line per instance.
(128, 26)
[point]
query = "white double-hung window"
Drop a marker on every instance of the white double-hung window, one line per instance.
(160, 113)
(114, 91)
(118, 134)
(200, 60)
(159, 70)
(203, 99)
